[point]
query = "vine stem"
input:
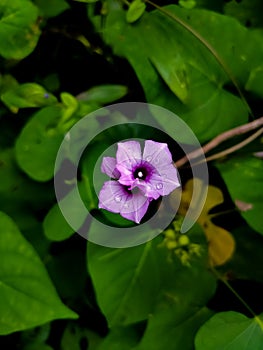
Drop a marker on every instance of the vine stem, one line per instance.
(242, 129)
(221, 278)
(209, 47)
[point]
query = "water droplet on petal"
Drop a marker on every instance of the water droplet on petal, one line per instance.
(156, 160)
(118, 198)
(159, 186)
(149, 158)
(126, 205)
(164, 176)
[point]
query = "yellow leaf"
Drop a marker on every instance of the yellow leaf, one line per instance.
(221, 243)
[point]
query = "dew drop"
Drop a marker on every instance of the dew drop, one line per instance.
(118, 199)
(159, 186)
(156, 160)
(149, 158)
(126, 205)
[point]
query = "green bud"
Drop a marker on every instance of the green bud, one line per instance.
(183, 240)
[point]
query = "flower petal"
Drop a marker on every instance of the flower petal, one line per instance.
(112, 196)
(108, 167)
(157, 153)
(115, 198)
(164, 182)
(128, 153)
(135, 208)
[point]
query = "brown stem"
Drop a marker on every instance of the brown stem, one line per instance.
(242, 129)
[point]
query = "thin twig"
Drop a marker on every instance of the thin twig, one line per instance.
(242, 129)
(236, 147)
(209, 47)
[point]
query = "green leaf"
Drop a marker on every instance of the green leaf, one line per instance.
(27, 296)
(255, 81)
(27, 95)
(38, 144)
(104, 94)
(124, 274)
(230, 331)
(130, 282)
(19, 32)
(51, 8)
(178, 72)
(178, 326)
(55, 226)
(135, 11)
(122, 338)
(243, 177)
(187, 4)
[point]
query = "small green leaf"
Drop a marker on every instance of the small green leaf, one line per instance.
(70, 105)
(135, 11)
(187, 4)
(230, 331)
(51, 8)
(27, 95)
(104, 94)
(55, 226)
(19, 32)
(27, 296)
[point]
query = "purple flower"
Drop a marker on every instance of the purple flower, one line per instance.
(137, 178)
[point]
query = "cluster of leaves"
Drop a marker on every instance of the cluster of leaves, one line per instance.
(61, 60)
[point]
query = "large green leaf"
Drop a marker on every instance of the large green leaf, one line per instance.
(27, 296)
(179, 73)
(19, 31)
(126, 291)
(129, 282)
(243, 177)
(230, 331)
(38, 143)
